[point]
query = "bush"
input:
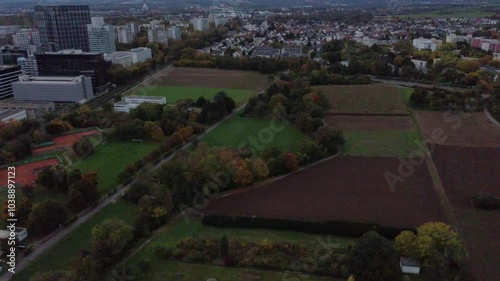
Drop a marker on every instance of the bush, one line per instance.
(162, 253)
(486, 201)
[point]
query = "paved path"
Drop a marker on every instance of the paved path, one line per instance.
(58, 236)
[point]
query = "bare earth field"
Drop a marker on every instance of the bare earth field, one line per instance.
(465, 171)
(371, 99)
(351, 189)
(370, 123)
(462, 129)
(213, 78)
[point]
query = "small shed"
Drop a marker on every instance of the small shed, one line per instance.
(409, 265)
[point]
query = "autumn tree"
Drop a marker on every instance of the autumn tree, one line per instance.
(153, 130)
(259, 168)
(241, 174)
(329, 139)
(114, 233)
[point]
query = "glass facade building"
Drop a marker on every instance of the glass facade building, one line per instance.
(63, 27)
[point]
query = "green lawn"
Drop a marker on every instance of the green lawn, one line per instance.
(380, 143)
(174, 94)
(179, 229)
(59, 256)
(110, 159)
(256, 134)
(406, 92)
(164, 270)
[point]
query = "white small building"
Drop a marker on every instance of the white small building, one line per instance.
(424, 43)
(21, 234)
(131, 102)
(420, 64)
(409, 265)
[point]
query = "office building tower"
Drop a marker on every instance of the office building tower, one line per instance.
(63, 27)
(26, 37)
(158, 35)
(28, 65)
(101, 36)
(174, 33)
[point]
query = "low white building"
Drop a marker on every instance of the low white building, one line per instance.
(409, 265)
(21, 234)
(123, 58)
(140, 54)
(131, 102)
(16, 114)
(420, 64)
(62, 89)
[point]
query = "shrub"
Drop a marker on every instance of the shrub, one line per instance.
(486, 201)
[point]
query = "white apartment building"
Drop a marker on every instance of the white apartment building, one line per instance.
(453, 38)
(131, 102)
(423, 43)
(158, 35)
(26, 37)
(200, 24)
(174, 33)
(101, 36)
(124, 34)
(9, 114)
(64, 89)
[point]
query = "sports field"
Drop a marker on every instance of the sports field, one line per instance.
(256, 134)
(63, 141)
(25, 174)
(173, 94)
(110, 159)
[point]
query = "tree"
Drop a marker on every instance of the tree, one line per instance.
(25, 209)
(259, 168)
(113, 232)
(288, 161)
(329, 139)
(405, 243)
(201, 101)
(305, 122)
(46, 216)
(373, 258)
(420, 97)
(223, 246)
(242, 175)
(153, 130)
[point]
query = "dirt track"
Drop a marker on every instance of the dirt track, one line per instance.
(345, 188)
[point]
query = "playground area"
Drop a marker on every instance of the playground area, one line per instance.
(25, 174)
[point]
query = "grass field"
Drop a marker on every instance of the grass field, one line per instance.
(110, 159)
(256, 133)
(406, 92)
(59, 256)
(174, 94)
(364, 99)
(163, 270)
(380, 143)
(178, 230)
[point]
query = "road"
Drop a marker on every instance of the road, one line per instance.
(412, 84)
(58, 236)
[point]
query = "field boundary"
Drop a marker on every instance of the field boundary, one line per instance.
(368, 114)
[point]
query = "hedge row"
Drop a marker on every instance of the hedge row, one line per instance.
(336, 227)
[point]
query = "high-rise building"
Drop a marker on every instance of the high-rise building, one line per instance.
(63, 27)
(124, 34)
(8, 75)
(133, 27)
(73, 63)
(200, 24)
(174, 33)
(28, 65)
(158, 35)
(26, 37)
(101, 36)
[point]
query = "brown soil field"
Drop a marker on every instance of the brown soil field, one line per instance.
(365, 99)
(370, 123)
(465, 171)
(351, 189)
(213, 78)
(461, 129)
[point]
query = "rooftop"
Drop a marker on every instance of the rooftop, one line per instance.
(405, 261)
(9, 112)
